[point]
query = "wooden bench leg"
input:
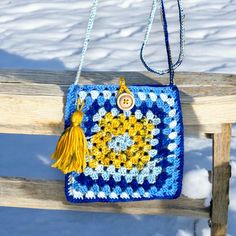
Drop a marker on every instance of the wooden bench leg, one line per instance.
(220, 181)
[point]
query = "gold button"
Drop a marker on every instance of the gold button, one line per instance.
(125, 101)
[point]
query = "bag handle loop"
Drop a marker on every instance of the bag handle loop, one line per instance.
(87, 39)
(171, 67)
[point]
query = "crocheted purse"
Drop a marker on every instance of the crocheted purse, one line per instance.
(123, 143)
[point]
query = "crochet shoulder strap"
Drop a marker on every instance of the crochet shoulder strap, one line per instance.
(171, 67)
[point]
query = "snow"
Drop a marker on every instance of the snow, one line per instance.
(199, 180)
(40, 34)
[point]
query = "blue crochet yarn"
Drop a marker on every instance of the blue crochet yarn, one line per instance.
(161, 178)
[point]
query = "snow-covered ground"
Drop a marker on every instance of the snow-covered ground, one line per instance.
(40, 34)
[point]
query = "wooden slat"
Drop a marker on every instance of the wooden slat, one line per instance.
(221, 177)
(32, 102)
(42, 194)
(183, 79)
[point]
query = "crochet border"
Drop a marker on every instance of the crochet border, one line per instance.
(146, 88)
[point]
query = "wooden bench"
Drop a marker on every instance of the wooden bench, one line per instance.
(32, 102)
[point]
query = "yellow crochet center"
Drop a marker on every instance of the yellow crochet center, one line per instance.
(136, 155)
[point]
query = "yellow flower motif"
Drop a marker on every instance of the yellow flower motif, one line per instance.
(149, 136)
(93, 163)
(122, 117)
(134, 148)
(115, 123)
(147, 148)
(99, 156)
(129, 152)
(150, 127)
(138, 138)
(105, 150)
(106, 162)
(121, 130)
(145, 159)
(140, 165)
(138, 126)
(126, 124)
(129, 165)
(109, 117)
(116, 163)
(132, 132)
(108, 128)
(132, 120)
(142, 132)
(134, 159)
(145, 121)
(96, 151)
(123, 158)
(134, 154)
(115, 132)
(112, 156)
(103, 123)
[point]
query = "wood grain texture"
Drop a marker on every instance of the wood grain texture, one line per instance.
(32, 102)
(221, 176)
(45, 194)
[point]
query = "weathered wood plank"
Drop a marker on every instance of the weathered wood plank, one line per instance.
(192, 85)
(42, 194)
(32, 102)
(221, 177)
(183, 79)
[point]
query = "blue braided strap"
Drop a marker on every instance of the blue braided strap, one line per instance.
(171, 67)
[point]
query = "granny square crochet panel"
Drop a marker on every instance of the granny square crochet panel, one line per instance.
(135, 154)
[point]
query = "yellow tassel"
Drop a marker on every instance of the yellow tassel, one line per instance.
(72, 147)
